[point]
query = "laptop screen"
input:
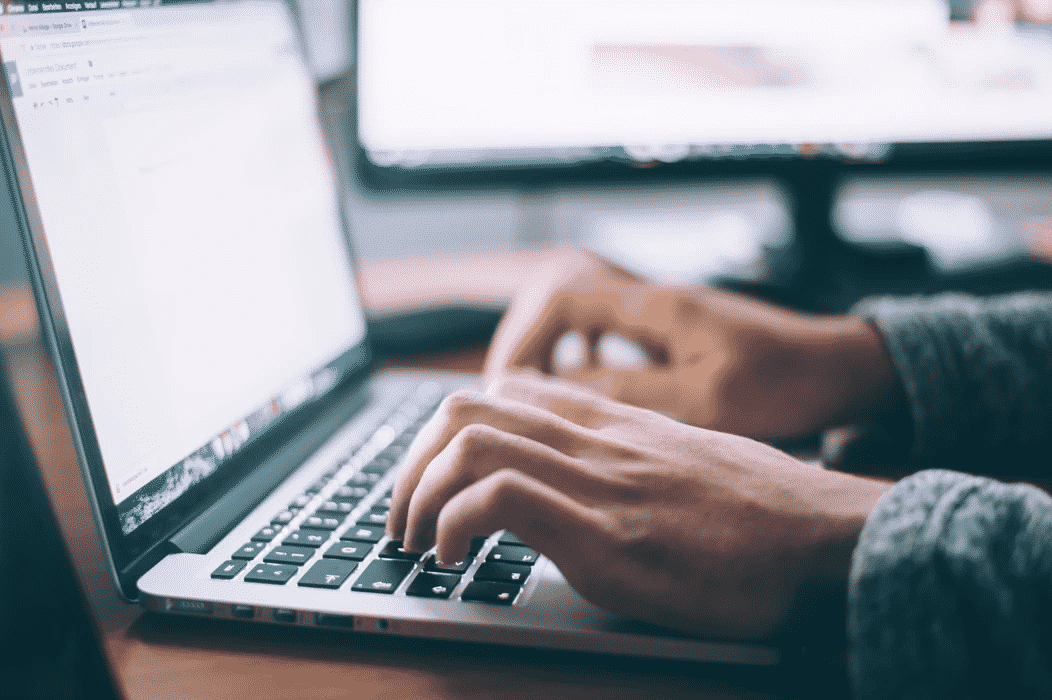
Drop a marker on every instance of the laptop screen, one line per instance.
(190, 212)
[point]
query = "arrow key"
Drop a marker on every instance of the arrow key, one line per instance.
(432, 585)
(328, 573)
(490, 592)
(271, 573)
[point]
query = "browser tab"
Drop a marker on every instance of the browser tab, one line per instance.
(32, 7)
(109, 4)
(16, 8)
(52, 7)
(94, 5)
(129, 3)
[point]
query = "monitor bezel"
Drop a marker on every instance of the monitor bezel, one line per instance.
(618, 167)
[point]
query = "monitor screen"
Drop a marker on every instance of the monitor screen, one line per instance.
(475, 81)
(188, 207)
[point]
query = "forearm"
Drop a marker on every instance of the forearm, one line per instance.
(950, 593)
(977, 377)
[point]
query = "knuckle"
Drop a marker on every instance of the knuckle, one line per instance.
(511, 385)
(460, 403)
(502, 490)
(627, 533)
(503, 384)
(477, 438)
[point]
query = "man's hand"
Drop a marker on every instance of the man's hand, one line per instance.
(644, 515)
(719, 360)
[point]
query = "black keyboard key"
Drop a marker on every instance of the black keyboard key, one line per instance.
(476, 545)
(490, 592)
(351, 551)
(363, 479)
(393, 550)
(283, 518)
(509, 538)
(317, 486)
(404, 440)
(512, 554)
(307, 538)
(328, 573)
(350, 494)
(229, 569)
(384, 502)
(249, 550)
(374, 517)
(364, 533)
(432, 585)
(266, 534)
(457, 567)
(318, 522)
(383, 576)
(289, 555)
(335, 508)
(377, 466)
(271, 573)
(509, 573)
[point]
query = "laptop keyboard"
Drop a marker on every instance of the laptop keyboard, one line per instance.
(332, 535)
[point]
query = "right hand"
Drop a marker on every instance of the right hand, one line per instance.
(720, 360)
(663, 522)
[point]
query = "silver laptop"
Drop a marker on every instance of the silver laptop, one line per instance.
(181, 216)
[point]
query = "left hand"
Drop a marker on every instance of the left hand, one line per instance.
(645, 516)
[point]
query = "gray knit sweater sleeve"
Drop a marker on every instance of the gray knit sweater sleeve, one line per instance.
(950, 593)
(977, 375)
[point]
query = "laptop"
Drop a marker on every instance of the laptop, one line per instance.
(182, 221)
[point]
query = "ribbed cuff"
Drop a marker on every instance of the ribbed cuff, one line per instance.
(949, 594)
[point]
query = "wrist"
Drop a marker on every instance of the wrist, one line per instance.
(817, 617)
(859, 371)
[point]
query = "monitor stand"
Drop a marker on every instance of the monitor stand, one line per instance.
(820, 271)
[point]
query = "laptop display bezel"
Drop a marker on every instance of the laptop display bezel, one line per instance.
(120, 549)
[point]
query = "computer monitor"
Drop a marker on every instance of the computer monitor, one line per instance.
(474, 90)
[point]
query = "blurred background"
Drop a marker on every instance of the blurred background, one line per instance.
(675, 224)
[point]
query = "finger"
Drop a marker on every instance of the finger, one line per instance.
(587, 400)
(526, 338)
(1036, 11)
(532, 325)
(478, 451)
(611, 301)
(544, 518)
(467, 408)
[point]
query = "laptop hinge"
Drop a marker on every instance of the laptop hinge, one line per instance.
(204, 531)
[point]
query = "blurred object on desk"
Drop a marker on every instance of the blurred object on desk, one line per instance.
(963, 221)
(685, 233)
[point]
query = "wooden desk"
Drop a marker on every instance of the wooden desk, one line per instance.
(155, 656)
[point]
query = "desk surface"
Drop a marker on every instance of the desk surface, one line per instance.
(155, 656)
